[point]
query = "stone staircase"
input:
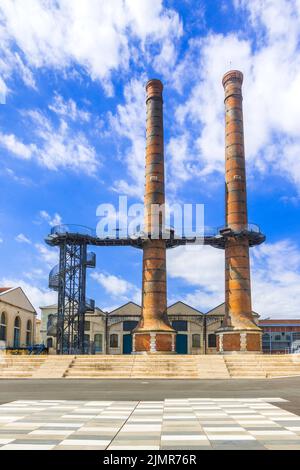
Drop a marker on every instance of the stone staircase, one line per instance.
(150, 366)
(263, 365)
(14, 367)
(54, 367)
(147, 366)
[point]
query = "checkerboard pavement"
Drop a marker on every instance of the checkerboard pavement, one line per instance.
(172, 424)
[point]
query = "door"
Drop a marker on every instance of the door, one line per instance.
(127, 344)
(181, 344)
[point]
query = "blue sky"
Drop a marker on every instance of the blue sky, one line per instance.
(72, 135)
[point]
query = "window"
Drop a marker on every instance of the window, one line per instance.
(87, 326)
(212, 341)
(3, 327)
(179, 325)
(29, 333)
(129, 325)
(49, 343)
(17, 329)
(277, 338)
(114, 341)
(196, 341)
(98, 343)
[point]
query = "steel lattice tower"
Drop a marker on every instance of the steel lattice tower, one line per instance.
(69, 279)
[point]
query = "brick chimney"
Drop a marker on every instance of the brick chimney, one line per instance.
(154, 333)
(239, 333)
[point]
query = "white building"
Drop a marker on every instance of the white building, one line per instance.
(17, 319)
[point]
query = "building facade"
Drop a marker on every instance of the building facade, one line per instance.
(111, 332)
(280, 336)
(17, 319)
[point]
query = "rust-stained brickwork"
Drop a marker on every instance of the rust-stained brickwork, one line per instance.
(163, 342)
(142, 342)
(231, 342)
(238, 308)
(154, 284)
(253, 342)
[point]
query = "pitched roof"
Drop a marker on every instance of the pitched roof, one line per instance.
(17, 297)
(4, 289)
(123, 307)
(179, 303)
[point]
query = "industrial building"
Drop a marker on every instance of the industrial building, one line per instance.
(111, 332)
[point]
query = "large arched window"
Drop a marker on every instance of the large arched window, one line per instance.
(114, 341)
(212, 341)
(3, 327)
(29, 333)
(17, 332)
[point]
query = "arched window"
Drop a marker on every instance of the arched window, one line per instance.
(29, 333)
(114, 341)
(3, 327)
(49, 343)
(196, 341)
(17, 332)
(212, 341)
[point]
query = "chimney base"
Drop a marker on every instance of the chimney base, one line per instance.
(154, 343)
(242, 341)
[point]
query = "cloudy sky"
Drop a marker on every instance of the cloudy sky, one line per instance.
(72, 135)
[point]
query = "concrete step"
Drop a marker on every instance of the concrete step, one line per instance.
(15, 374)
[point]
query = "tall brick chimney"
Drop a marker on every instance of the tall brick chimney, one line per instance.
(154, 334)
(239, 333)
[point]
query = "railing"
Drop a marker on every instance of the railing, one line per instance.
(75, 229)
(83, 230)
(242, 228)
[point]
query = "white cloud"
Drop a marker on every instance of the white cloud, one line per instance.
(19, 179)
(275, 277)
(54, 220)
(97, 35)
(117, 287)
(68, 109)
(267, 53)
(21, 238)
(36, 295)
(47, 255)
(276, 280)
(202, 268)
(128, 123)
(15, 146)
(55, 147)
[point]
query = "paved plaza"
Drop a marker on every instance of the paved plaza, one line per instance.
(196, 423)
